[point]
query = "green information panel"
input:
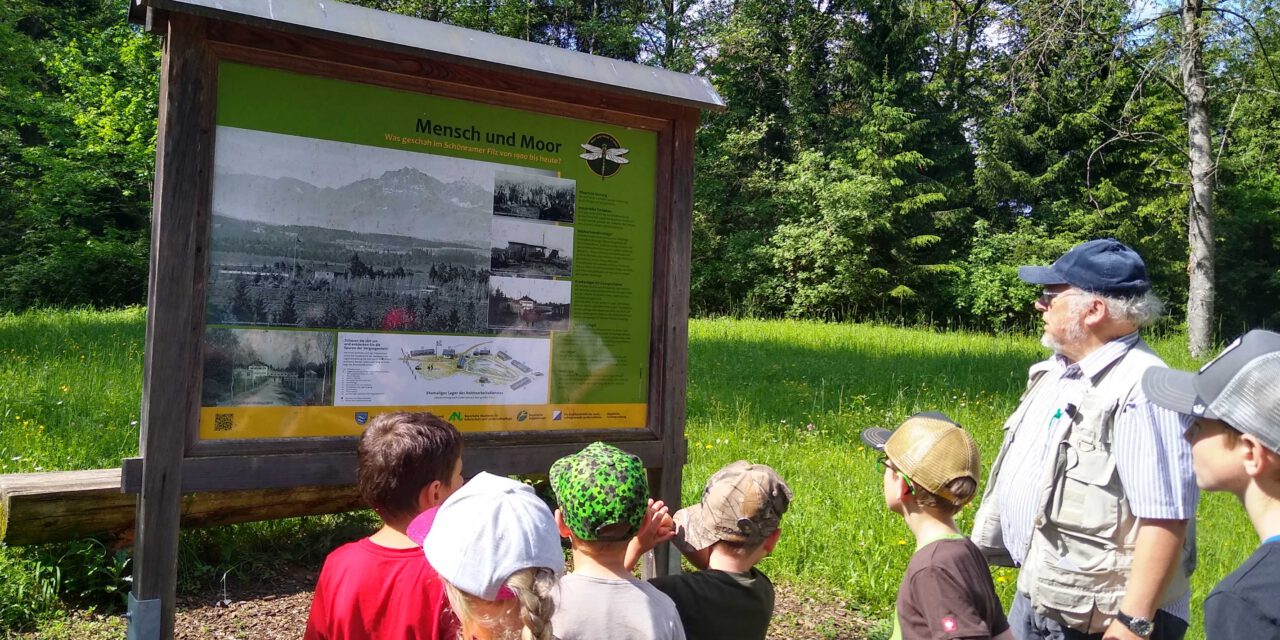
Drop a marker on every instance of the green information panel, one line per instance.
(375, 249)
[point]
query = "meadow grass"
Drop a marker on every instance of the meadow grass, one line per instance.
(70, 388)
(790, 394)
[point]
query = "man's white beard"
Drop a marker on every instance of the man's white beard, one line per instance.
(1075, 334)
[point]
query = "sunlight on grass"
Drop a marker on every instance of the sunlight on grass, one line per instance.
(795, 395)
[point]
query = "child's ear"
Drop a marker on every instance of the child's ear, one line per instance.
(772, 540)
(428, 497)
(431, 495)
(1256, 458)
(561, 526)
(904, 487)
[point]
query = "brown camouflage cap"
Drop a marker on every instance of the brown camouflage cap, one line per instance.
(742, 503)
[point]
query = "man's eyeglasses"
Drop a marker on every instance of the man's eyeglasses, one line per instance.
(1047, 297)
(883, 463)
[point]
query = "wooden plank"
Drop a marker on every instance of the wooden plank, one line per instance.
(171, 374)
(36, 508)
(417, 73)
(339, 468)
(388, 33)
(277, 446)
(44, 507)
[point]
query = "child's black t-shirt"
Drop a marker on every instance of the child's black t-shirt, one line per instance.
(1244, 604)
(718, 604)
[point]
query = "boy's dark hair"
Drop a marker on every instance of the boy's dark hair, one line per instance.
(399, 454)
(962, 488)
(740, 549)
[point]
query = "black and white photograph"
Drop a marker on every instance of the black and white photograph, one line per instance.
(534, 197)
(530, 249)
(314, 233)
(529, 304)
(256, 367)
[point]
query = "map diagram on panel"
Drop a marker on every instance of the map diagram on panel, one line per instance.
(482, 363)
(384, 369)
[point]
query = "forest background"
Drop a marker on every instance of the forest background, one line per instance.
(879, 160)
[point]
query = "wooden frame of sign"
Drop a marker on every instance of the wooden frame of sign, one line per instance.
(372, 48)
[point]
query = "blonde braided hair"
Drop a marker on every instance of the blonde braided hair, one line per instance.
(532, 587)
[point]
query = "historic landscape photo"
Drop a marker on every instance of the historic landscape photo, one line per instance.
(247, 367)
(530, 304)
(526, 248)
(313, 233)
(534, 196)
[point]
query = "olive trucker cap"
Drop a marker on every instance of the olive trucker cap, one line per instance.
(1240, 387)
(931, 449)
(742, 503)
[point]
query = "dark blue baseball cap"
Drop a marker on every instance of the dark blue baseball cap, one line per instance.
(1105, 266)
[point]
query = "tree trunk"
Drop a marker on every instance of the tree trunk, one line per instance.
(1200, 264)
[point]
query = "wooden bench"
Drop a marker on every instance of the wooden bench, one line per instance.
(66, 505)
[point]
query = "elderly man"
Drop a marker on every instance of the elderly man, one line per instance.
(1093, 492)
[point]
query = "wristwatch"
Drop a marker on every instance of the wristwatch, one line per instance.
(1140, 627)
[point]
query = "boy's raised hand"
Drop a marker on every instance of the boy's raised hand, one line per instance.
(658, 527)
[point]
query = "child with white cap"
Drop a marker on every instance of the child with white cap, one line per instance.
(1235, 447)
(495, 544)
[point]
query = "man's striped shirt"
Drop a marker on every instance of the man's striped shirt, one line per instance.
(1152, 457)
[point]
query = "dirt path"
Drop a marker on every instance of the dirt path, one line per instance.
(281, 613)
(277, 608)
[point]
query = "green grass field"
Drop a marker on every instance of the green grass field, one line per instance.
(790, 394)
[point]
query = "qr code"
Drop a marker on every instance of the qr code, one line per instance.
(223, 421)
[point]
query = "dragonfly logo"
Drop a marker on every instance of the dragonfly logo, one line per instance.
(604, 154)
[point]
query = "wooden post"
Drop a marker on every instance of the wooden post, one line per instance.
(669, 342)
(175, 322)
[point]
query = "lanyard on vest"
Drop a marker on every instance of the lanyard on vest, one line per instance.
(1275, 538)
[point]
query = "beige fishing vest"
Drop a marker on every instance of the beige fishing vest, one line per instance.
(1077, 566)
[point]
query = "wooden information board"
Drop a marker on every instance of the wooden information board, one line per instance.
(357, 212)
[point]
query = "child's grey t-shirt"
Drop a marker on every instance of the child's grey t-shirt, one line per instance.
(599, 609)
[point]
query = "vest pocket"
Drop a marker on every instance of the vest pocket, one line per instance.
(1088, 496)
(1082, 600)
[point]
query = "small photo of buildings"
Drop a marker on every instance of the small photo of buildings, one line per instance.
(254, 367)
(530, 249)
(529, 304)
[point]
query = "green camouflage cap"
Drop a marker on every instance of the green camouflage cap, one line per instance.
(600, 488)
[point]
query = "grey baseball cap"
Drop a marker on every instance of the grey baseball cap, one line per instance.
(1240, 387)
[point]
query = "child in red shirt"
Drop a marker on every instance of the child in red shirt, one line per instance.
(382, 586)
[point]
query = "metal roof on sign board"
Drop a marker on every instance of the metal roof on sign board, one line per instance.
(349, 23)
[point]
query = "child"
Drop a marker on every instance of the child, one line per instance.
(735, 526)
(931, 469)
(1235, 440)
(495, 545)
(382, 586)
(602, 494)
